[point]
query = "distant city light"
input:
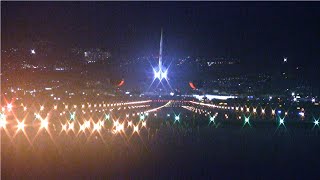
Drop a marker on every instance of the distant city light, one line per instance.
(33, 51)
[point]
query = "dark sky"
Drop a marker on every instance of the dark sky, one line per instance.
(251, 31)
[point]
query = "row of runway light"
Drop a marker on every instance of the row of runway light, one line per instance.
(246, 109)
(77, 127)
(76, 124)
(87, 105)
(246, 119)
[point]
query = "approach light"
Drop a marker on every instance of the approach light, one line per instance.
(44, 124)
(96, 127)
(136, 129)
(20, 126)
(3, 121)
(82, 127)
(254, 110)
(37, 116)
(87, 124)
(71, 126)
(144, 124)
(129, 123)
(64, 127)
(9, 107)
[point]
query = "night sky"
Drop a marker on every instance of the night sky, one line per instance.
(250, 31)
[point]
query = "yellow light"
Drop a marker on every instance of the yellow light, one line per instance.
(20, 126)
(82, 127)
(41, 108)
(55, 107)
(64, 127)
(120, 127)
(37, 116)
(96, 127)
(3, 121)
(101, 123)
(71, 126)
(24, 108)
(136, 129)
(44, 124)
(144, 124)
(66, 106)
(129, 123)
